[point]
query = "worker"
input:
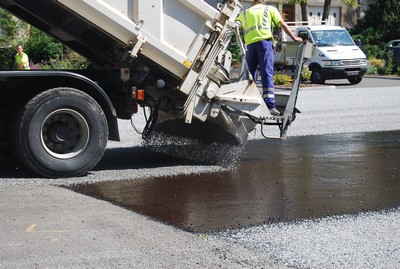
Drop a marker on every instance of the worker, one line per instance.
(257, 23)
(21, 59)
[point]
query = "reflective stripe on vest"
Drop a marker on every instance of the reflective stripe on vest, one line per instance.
(264, 24)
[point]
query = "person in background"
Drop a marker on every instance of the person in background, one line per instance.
(21, 59)
(257, 23)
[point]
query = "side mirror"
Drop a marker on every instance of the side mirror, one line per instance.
(303, 36)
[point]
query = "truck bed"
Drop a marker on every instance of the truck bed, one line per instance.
(106, 32)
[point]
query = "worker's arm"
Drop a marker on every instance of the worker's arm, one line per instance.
(289, 32)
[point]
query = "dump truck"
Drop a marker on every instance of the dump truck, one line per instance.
(169, 57)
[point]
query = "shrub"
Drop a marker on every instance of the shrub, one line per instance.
(388, 68)
(383, 66)
(282, 79)
(70, 60)
(305, 74)
(7, 58)
(372, 70)
(377, 63)
(41, 47)
(374, 65)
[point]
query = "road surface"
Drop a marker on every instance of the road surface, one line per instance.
(46, 225)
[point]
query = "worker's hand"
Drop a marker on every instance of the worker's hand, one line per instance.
(237, 24)
(234, 24)
(298, 39)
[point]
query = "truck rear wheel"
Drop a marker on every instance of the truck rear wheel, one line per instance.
(61, 132)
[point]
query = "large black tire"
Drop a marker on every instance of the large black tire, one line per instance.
(354, 80)
(317, 77)
(61, 132)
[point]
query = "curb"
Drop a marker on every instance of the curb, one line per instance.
(381, 77)
(321, 87)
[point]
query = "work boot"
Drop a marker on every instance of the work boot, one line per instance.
(274, 111)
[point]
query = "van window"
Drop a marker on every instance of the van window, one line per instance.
(330, 38)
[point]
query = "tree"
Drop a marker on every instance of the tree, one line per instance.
(41, 48)
(327, 6)
(304, 12)
(303, 5)
(383, 17)
(9, 27)
(379, 25)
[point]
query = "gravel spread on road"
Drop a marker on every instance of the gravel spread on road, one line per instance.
(366, 240)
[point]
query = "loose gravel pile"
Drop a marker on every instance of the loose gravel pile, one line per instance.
(367, 240)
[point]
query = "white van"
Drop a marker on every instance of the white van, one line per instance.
(335, 56)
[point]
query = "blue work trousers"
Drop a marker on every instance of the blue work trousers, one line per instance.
(261, 55)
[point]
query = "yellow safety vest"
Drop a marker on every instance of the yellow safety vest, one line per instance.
(257, 22)
(22, 61)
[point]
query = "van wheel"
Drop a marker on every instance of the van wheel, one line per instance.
(317, 76)
(354, 80)
(61, 132)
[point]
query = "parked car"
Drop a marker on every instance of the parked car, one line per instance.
(394, 46)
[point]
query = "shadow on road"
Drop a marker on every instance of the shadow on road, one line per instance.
(113, 159)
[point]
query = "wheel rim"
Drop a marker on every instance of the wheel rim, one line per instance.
(65, 133)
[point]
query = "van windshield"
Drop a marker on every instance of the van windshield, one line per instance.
(330, 38)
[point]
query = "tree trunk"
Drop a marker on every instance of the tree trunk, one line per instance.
(327, 6)
(304, 12)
